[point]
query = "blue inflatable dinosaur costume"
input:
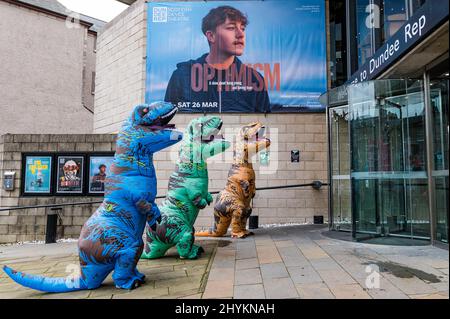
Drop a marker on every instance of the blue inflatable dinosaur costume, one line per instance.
(112, 238)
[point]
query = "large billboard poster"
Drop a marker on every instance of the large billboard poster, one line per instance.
(237, 56)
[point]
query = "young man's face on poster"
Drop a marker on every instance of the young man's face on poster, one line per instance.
(228, 38)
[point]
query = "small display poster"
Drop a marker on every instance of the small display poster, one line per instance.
(38, 174)
(99, 170)
(70, 174)
(264, 158)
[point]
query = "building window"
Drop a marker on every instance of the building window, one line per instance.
(394, 14)
(414, 5)
(364, 34)
(376, 21)
(338, 43)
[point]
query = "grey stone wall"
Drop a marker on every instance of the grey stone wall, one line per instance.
(41, 80)
(30, 224)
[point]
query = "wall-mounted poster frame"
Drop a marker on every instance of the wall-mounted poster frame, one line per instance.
(99, 168)
(70, 174)
(37, 174)
(56, 181)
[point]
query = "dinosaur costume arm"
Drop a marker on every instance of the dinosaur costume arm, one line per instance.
(198, 200)
(209, 198)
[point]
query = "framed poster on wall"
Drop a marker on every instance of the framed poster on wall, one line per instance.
(69, 176)
(37, 174)
(99, 170)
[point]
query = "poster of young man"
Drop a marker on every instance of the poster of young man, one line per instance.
(237, 56)
(99, 170)
(38, 174)
(70, 174)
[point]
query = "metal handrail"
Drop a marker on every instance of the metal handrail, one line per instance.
(316, 185)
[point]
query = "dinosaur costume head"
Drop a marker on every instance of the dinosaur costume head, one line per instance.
(203, 138)
(154, 114)
(152, 120)
(249, 141)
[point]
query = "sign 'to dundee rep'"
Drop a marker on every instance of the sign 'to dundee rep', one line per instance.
(419, 25)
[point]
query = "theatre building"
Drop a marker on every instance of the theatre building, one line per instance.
(388, 120)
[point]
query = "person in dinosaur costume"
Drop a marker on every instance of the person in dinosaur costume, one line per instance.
(111, 240)
(187, 192)
(233, 203)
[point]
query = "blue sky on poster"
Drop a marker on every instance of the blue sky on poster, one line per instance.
(290, 32)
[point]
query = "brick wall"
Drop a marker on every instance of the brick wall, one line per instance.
(120, 80)
(304, 132)
(30, 224)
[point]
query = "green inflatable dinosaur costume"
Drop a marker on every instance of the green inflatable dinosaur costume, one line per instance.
(187, 192)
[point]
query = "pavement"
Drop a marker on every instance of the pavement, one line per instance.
(288, 262)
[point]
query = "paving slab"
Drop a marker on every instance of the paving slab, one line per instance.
(248, 277)
(314, 291)
(274, 270)
(249, 292)
(247, 263)
(352, 291)
(304, 275)
(268, 254)
(280, 288)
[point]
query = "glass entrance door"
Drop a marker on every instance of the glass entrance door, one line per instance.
(340, 168)
(439, 100)
(388, 168)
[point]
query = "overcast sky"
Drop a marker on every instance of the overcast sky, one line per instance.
(105, 10)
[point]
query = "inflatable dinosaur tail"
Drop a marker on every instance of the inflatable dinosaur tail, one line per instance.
(46, 284)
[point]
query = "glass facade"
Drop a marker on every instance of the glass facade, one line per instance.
(439, 100)
(363, 30)
(338, 43)
(372, 23)
(340, 148)
(388, 172)
(394, 13)
(378, 166)
(388, 138)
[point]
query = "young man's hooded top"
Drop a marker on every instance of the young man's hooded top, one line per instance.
(249, 96)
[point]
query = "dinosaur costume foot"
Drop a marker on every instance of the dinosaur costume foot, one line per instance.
(243, 234)
(130, 283)
(195, 253)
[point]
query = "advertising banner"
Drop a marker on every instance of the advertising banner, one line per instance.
(99, 170)
(70, 174)
(237, 56)
(38, 174)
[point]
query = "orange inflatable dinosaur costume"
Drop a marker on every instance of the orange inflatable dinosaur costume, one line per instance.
(233, 204)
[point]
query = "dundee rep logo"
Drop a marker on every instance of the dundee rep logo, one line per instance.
(160, 14)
